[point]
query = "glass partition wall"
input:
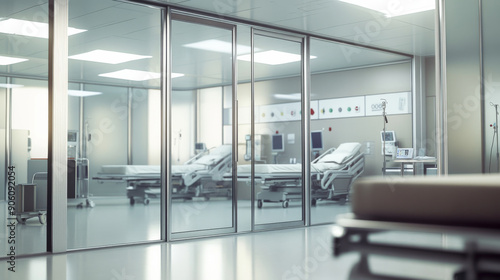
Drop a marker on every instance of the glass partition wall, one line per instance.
(116, 125)
(201, 133)
(347, 85)
(23, 127)
(114, 132)
(491, 72)
(277, 173)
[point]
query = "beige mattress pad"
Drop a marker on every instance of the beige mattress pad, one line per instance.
(465, 200)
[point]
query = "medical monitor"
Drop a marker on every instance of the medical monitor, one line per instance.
(277, 143)
(316, 140)
(390, 136)
(200, 146)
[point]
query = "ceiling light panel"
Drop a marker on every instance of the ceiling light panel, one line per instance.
(83, 93)
(30, 28)
(6, 60)
(10, 86)
(135, 75)
(273, 57)
(212, 45)
(391, 8)
(217, 46)
(109, 57)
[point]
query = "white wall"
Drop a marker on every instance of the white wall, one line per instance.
(210, 117)
(359, 82)
(463, 81)
(183, 126)
(106, 115)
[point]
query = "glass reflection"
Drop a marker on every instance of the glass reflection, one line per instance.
(346, 84)
(23, 126)
(277, 140)
(113, 125)
(201, 149)
(491, 72)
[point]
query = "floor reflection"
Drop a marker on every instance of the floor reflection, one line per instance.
(303, 253)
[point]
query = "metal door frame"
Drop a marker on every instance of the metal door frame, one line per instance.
(305, 127)
(177, 15)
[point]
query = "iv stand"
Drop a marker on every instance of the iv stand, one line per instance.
(495, 134)
(384, 103)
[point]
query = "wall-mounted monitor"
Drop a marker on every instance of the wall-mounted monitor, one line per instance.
(277, 143)
(316, 140)
(200, 146)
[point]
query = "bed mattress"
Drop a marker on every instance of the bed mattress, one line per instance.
(130, 169)
(466, 200)
(287, 168)
(182, 169)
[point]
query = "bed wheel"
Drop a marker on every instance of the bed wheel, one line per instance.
(285, 204)
(132, 201)
(259, 203)
(313, 202)
(342, 201)
(146, 201)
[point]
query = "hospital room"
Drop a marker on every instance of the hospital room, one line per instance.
(176, 125)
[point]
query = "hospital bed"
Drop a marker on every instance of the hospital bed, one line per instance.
(464, 207)
(331, 176)
(199, 176)
(203, 174)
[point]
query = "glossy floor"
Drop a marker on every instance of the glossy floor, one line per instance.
(303, 253)
(115, 224)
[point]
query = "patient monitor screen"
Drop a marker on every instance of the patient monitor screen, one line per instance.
(278, 143)
(316, 140)
(390, 136)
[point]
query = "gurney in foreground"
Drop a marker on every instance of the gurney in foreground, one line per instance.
(464, 207)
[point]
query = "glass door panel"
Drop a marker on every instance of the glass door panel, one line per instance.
(201, 183)
(24, 127)
(277, 144)
(342, 121)
(114, 125)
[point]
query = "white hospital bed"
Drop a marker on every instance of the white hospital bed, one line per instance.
(197, 177)
(201, 175)
(331, 176)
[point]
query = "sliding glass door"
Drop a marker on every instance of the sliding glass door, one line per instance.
(278, 129)
(201, 127)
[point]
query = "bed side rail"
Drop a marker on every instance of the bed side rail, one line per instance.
(216, 171)
(329, 151)
(354, 168)
(221, 168)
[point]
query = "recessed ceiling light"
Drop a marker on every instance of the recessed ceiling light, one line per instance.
(5, 60)
(217, 46)
(10, 86)
(30, 28)
(291, 96)
(273, 57)
(395, 8)
(108, 56)
(83, 93)
(136, 75)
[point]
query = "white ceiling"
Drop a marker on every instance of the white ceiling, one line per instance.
(118, 26)
(411, 34)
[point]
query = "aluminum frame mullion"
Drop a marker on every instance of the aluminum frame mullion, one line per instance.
(305, 121)
(166, 118)
(58, 123)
